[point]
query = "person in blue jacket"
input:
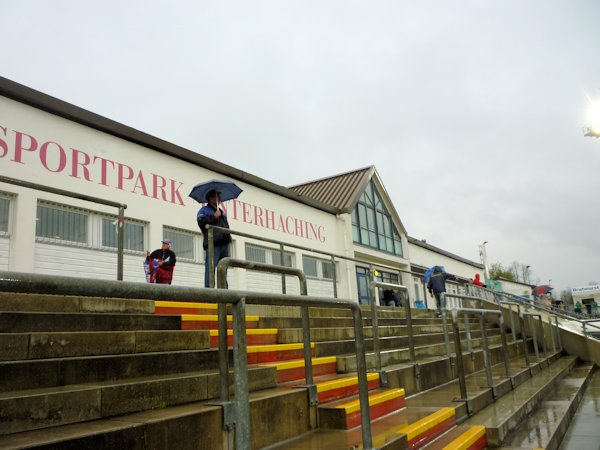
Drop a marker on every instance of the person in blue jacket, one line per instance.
(437, 285)
(211, 214)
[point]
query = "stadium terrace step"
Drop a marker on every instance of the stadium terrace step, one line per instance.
(23, 346)
(288, 335)
(546, 426)
(210, 321)
(277, 352)
(345, 322)
(509, 411)
(169, 307)
(341, 387)
(461, 438)
(294, 370)
(429, 427)
(165, 428)
(26, 322)
(345, 414)
(17, 302)
(49, 407)
(256, 336)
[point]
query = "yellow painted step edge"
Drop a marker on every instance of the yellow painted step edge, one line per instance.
(343, 382)
(374, 399)
(286, 365)
(248, 331)
(468, 438)
(169, 304)
(276, 347)
(212, 318)
(421, 426)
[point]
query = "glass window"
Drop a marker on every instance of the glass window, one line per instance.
(276, 258)
(372, 223)
(134, 234)
(62, 224)
(256, 254)
(309, 265)
(183, 243)
(4, 211)
(327, 267)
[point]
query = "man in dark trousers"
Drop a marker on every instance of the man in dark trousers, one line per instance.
(437, 285)
(211, 214)
(166, 262)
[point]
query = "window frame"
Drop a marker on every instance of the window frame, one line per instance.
(66, 208)
(269, 252)
(101, 246)
(320, 272)
(197, 240)
(10, 199)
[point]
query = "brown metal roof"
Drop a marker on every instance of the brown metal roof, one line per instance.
(339, 191)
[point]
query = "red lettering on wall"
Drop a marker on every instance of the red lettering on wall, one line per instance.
(140, 184)
(3, 144)
(246, 213)
(175, 194)
(258, 216)
(289, 228)
(103, 168)
(76, 163)
(270, 218)
(121, 177)
(321, 233)
(281, 227)
(62, 157)
(19, 146)
(159, 182)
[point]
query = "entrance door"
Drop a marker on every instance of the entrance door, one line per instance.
(362, 283)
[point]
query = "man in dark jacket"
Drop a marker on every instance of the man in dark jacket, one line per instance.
(166, 262)
(211, 214)
(437, 285)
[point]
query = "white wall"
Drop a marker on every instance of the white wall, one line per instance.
(4, 252)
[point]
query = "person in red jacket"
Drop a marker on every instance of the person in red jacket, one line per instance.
(166, 262)
(477, 281)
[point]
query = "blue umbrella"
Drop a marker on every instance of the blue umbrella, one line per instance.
(227, 189)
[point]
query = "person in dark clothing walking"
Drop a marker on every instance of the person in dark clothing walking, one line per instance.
(166, 262)
(211, 214)
(437, 285)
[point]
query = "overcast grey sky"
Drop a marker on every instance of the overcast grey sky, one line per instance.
(470, 110)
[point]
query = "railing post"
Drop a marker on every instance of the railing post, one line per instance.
(535, 343)
(524, 339)
(308, 369)
(558, 334)
(445, 326)
(512, 323)
(243, 437)
(120, 242)
(505, 348)
(487, 362)
(543, 336)
(363, 387)
(551, 329)
(409, 329)
(374, 321)
(281, 255)
(211, 257)
(469, 337)
(459, 361)
(334, 278)
(222, 327)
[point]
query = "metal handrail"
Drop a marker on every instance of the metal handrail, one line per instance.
(87, 198)
(486, 355)
(58, 285)
(373, 285)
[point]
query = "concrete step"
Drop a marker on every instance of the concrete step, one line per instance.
(461, 437)
(169, 307)
(327, 348)
(546, 426)
(23, 346)
(344, 322)
(335, 387)
(257, 336)
(25, 322)
(210, 321)
(345, 414)
(347, 363)
(167, 428)
(287, 335)
(12, 301)
(50, 407)
(294, 370)
(43, 373)
(509, 411)
(291, 311)
(277, 352)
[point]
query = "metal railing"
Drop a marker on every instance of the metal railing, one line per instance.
(87, 198)
(237, 412)
(486, 352)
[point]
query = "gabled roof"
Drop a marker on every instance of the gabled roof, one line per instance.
(339, 191)
(433, 248)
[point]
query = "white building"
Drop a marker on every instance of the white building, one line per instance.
(52, 143)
